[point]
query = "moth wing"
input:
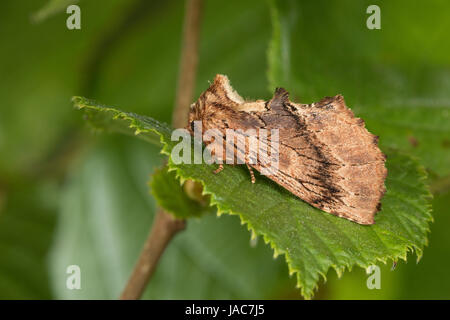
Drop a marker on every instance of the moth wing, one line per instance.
(326, 157)
(344, 138)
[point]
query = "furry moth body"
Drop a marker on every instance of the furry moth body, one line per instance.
(326, 155)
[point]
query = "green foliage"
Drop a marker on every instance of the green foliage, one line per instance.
(51, 8)
(311, 240)
(169, 193)
(396, 78)
(384, 79)
(106, 213)
(114, 120)
(25, 237)
(211, 258)
(424, 280)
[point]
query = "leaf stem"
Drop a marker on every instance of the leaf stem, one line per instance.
(165, 226)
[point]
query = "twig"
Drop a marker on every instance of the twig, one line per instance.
(163, 229)
(188, 63)
(165, 226)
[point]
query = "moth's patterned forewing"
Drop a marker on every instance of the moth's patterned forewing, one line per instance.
(325, 156)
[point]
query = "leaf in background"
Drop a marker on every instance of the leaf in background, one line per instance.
(26, 227)
(42, 64)
(39, 137)
(311, 240)
(400, 89)
(430, 277)
(139, 75)
(100, 229)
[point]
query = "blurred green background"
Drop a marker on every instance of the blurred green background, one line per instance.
(68, 196)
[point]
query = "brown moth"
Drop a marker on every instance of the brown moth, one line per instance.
(326, 155)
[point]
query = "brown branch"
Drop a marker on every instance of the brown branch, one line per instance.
(165, 226)
(188, 63)
(163, 229)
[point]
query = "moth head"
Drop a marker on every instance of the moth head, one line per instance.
(207, 108)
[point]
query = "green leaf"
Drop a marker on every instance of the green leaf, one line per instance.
(169, 193)
(311, 240)
(399, 89)
(114, 120)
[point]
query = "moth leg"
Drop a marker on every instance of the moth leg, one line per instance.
(252, 174)
(220, 168)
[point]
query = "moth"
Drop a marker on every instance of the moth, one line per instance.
(326, 156)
